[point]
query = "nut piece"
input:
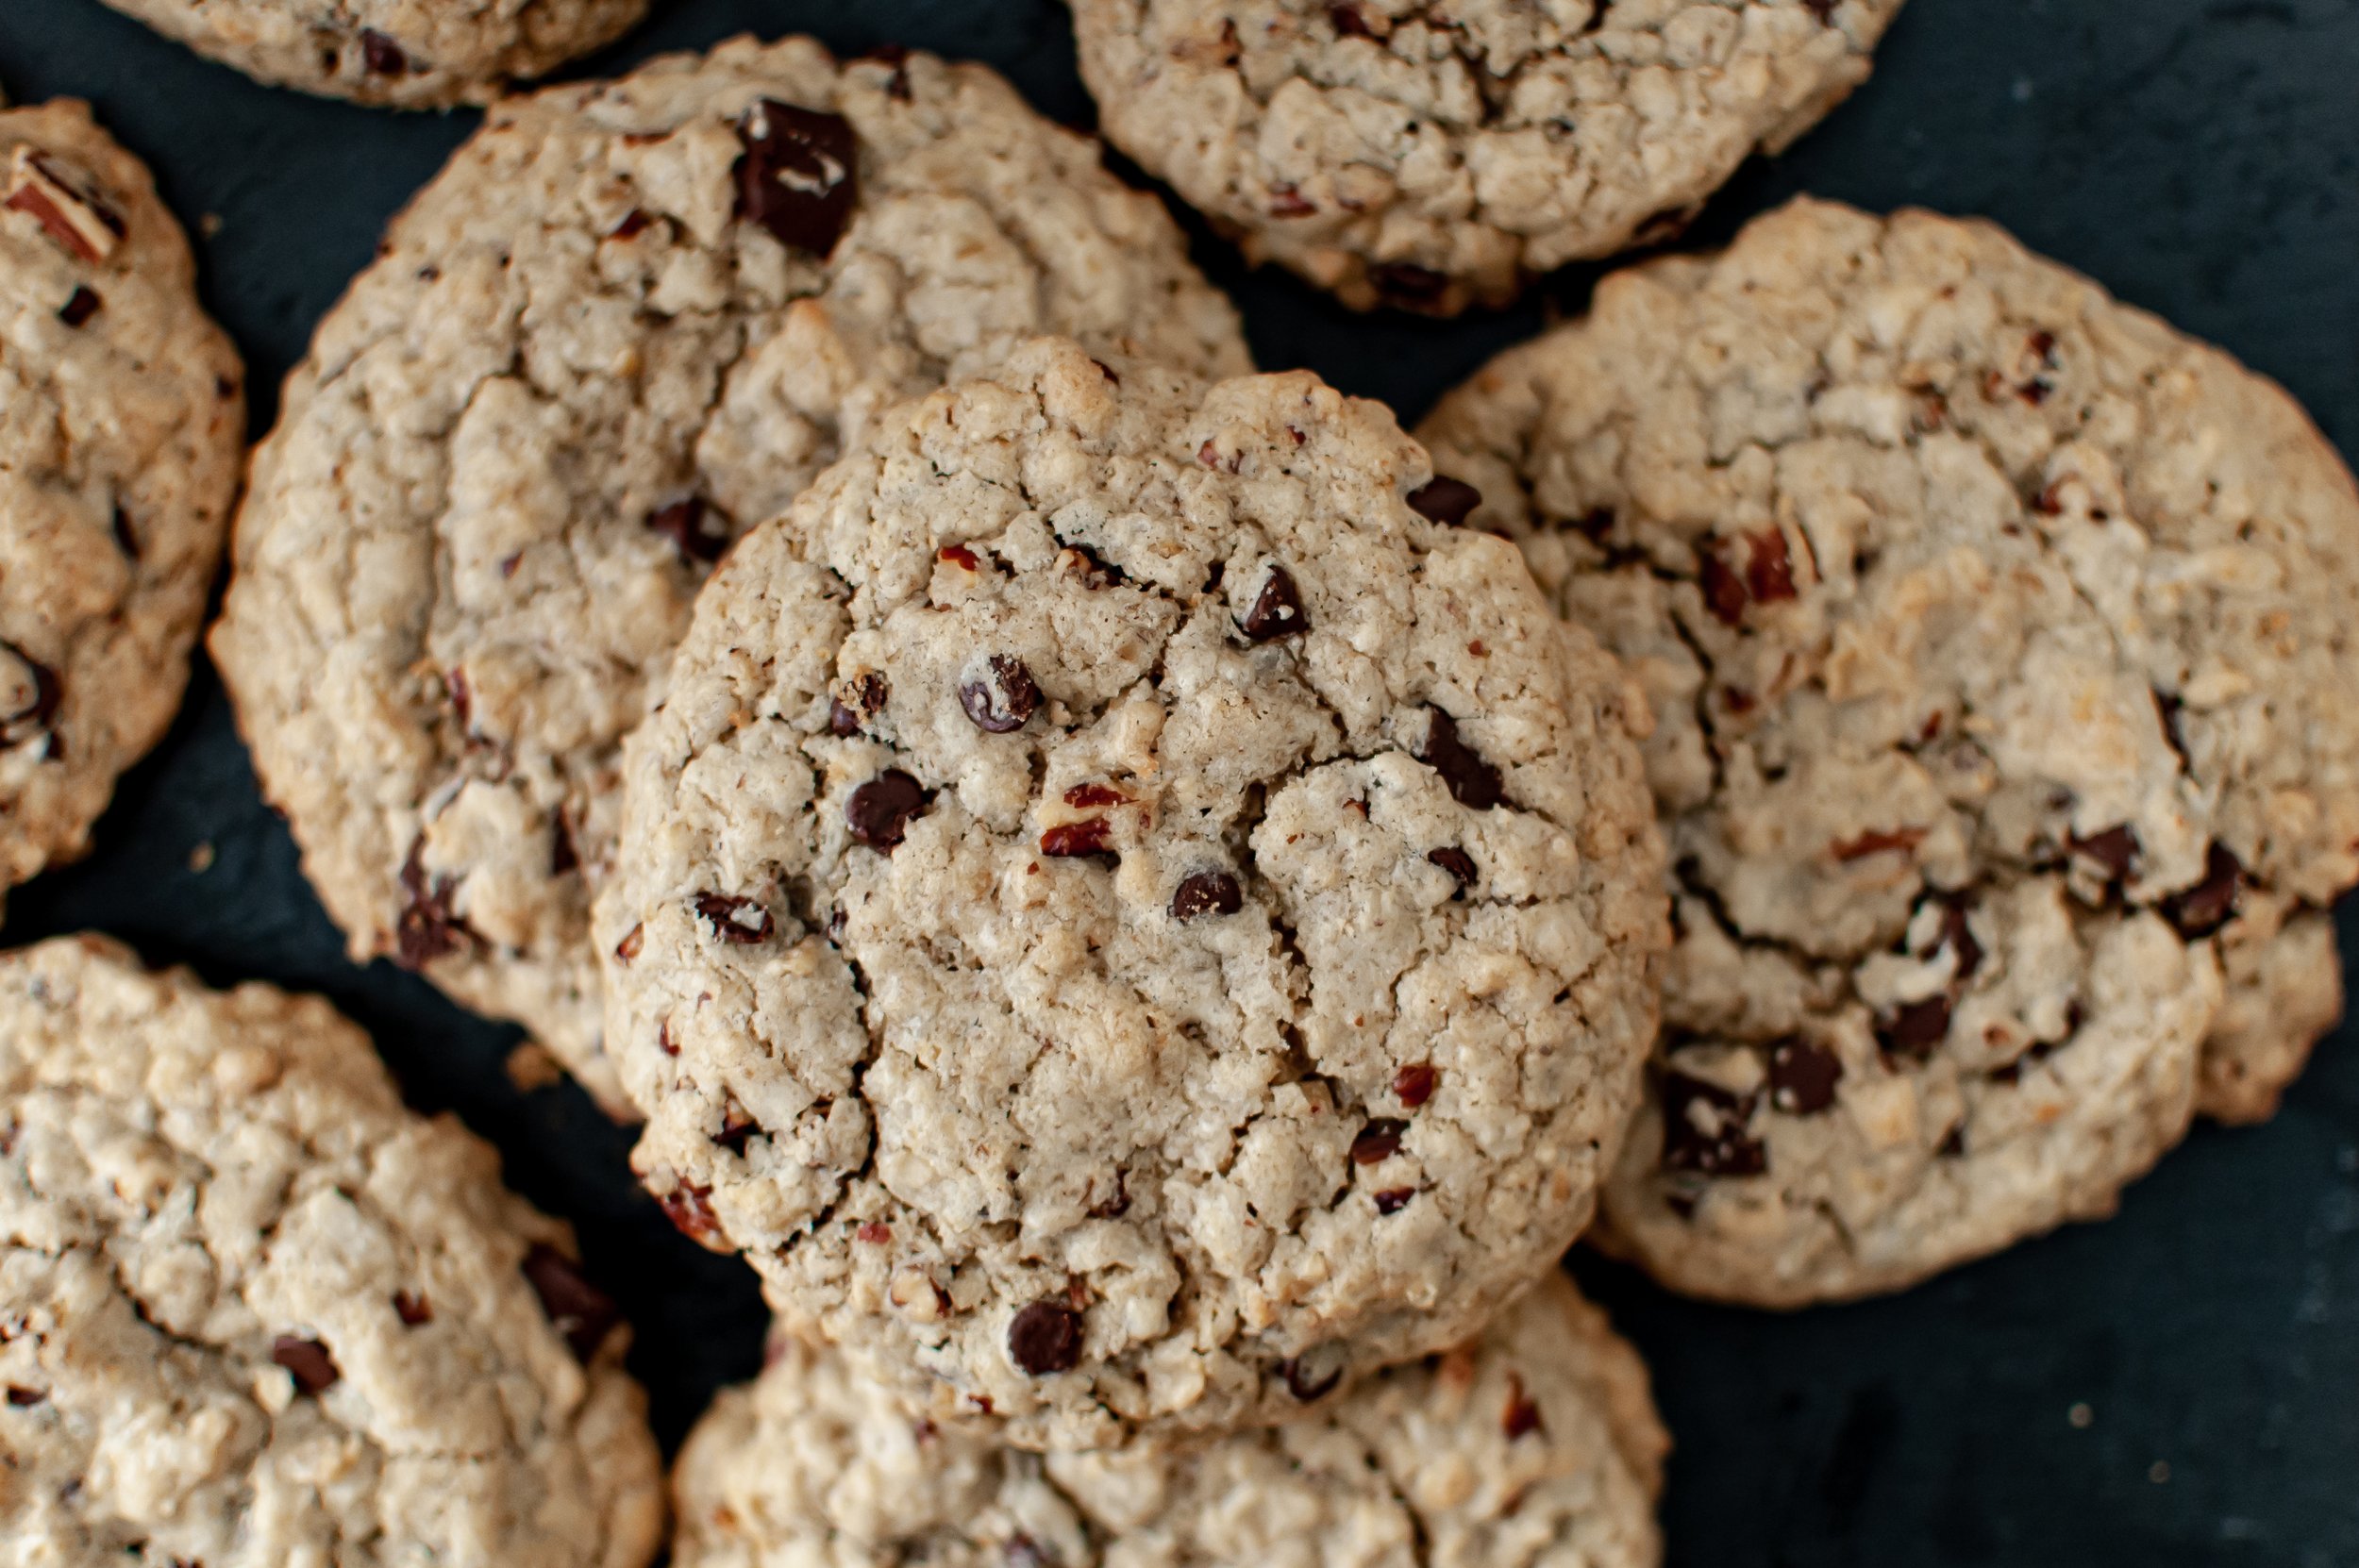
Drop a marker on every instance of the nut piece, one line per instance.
(79, 221)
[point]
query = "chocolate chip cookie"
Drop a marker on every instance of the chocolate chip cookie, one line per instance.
(1432, 155)
(411, 53)
(1123, 920)
(628, 321)
(121, 422)
(1537, 1443)
(2000, 638)
(255, 1312)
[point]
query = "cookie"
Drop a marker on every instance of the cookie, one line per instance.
(409, 54)
(1428, 156)
(1127, 923)
(254, 1313)
(1999, 638)
(628, 321)
(122, 423)
(1538, 1442)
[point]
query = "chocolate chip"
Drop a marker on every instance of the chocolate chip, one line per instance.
(698, 530)
(79, 306)
(1768, 568)
(1443, 500)
(743, 922)
(23, 1398)
(1414, 1084)
(800, 176)
(1521, 1418)
(1045, 1337)
(690, 1209)
(428, 928)
(381, 55)
(126, 540)
(29, 694)
(1703, 1129)
(1377, 1142)
(1473, 782)
(2116, 849)
(577, 1309)
(1277, 609)
(1457, 862)
(842, 720)
(1723, 590)
(1306, 1383)
(1074, 839)
(1802, 1077)
(412, 1308)
(1348, 20)
(880, 811)
(1393, 1200)
(1409, 286)
(2206, 906)
(1002, 701)
(1206, 893)
(1914, 1028)
(307, 1360)
(863, 696)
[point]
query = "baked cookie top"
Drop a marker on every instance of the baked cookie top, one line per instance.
(254, 1313)
(628, 320)
(1430, 156)
(1127, 923)
(2000, 638)
(411, 53)
(1537, 1443)
(121, 422)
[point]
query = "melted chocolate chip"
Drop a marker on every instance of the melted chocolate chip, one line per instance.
(1768, 567)
(307, 1360)
(1074, 839)
(1305, 1383)
(79, 306)
(1002, 702)
(800, 176)
(741, 922)
(2116, 849)
(412, 1308)
(880, 811)
(1802, 1077)
(1393, 1200)
(1521, 1418)
(1414, 1084)
(1377, 1142)
(381, 55)
(1914, 1028)
(1206, 893)
(1472, 782)
(1447, 501)
(1703, 1129)
(1045, 1337)
(577, 1309)
(697, 530)
(1277, 610)
(842, 720)
(2206, 906)
(1457, 862)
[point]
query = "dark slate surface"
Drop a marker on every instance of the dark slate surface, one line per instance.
(2199, 156)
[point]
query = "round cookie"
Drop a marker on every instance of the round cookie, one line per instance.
(122, 423)
(627, 320)
(1398, 153)
(409, 54)
(1537, 1443)
(1999, 639)
(1127, 923)
(253, 1312)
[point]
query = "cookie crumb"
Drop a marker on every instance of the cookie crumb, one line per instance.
(2081, 1415)
(530, 1066)
(201, 858)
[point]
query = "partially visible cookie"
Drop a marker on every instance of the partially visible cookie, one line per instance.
(1429, 157)
(122, 421)
(1537, 1443)
(411, 53)
(628, 321)
(1125, 921)
(254, 1313)
(2001, 640)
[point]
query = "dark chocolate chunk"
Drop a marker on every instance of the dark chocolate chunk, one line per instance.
(1277, 610)
(880, 811)
(1447, 501)
(1377, 1142)
(1207, 892)
(799, 175)
(1802, 1077)
(1472, 781)
(1704, 1130)
(1457, 862)
(743, 922)
(1002, 701)
(2208, 905)
(1045, 1337)
(307, 1360)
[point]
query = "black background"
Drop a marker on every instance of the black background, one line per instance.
(2199, 159)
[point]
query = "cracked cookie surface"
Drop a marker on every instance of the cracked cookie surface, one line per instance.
(629, 320)
(121, 422)
(1536, 1443)
(1127, 923)
(1999, 637)
(409, 54)
(1430, 154)
(253, 1312)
